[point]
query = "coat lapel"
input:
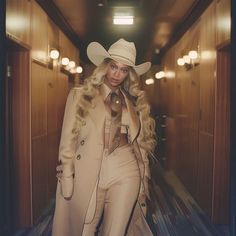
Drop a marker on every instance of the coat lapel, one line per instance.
(98, 115)
(98, 112)
(134, 119)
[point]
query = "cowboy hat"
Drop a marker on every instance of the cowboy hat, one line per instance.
(121, 51)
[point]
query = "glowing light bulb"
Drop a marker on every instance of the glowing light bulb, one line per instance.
(180, 62)
(149, 81)
(79, 69)
(65, 61)
(71, 64)
(193, 54)
(54, 54)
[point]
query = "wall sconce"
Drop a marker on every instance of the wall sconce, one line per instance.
(65, 61)
(160, 75)
(79, 69)
(149, 81)
(189, 60)
(71, 64)
(54, 54)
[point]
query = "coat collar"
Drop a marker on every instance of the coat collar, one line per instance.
(134, 124)
(98, 113)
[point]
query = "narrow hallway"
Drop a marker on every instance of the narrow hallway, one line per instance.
(191, 98)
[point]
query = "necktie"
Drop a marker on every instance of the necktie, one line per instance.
(116, 113)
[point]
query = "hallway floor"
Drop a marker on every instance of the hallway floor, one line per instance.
(176, 214)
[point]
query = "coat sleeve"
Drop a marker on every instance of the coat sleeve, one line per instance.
(144, 156)
(67, 147)
(144, 152)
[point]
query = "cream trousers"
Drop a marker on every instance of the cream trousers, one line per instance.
(117, 193)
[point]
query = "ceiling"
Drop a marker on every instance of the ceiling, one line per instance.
(157, 23)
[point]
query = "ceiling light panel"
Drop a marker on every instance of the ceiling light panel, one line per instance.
(123, 20)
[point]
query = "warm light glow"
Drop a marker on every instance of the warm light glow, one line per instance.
(16, 22)
(157, 50)
(65, 61)
(72, 70)
(160, 75)
(187, 59)
(180, 62)
(54, 54)
(193, 54)
(79, 69)
(224, 23)
(207, 55)
(149, 81)
(170, 74)
(123, 20)
(71, 64)
(100, 4)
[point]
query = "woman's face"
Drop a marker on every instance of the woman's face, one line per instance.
(116, 74)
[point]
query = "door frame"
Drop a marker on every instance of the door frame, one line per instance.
(2, 109)
(233, 123)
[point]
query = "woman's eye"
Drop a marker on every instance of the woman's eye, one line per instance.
(113, 67)
(125, 71)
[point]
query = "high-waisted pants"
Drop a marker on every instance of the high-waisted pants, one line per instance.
(117, 192)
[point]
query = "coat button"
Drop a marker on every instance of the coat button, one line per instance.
(143, 204)
(82, 142)
(78, 157)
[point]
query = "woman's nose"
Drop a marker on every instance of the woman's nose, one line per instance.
(117, 72)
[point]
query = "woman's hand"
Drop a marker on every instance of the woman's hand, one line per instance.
(65, 175)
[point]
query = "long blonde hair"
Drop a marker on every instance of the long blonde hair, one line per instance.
(131, 85)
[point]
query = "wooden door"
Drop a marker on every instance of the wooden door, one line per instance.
(17, 136)
(220, 207)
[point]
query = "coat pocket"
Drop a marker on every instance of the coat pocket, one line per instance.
(65, 175)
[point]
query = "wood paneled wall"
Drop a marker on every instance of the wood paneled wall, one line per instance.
(223, 22)
(221, 169)
(49, 92)
(18, 15)
(207, 109)
(39, 34)
(29, 26)
(69, 50)
(189, 99)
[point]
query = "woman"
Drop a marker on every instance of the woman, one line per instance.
(107, 135)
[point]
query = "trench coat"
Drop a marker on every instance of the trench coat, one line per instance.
(81, 162)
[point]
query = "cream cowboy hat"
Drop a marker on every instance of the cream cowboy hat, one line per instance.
(121, 51)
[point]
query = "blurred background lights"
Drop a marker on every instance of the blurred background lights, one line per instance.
(170, 74)
(65, 61)
(193, 54)
(79, 69)
(187, 59)
(180, 62)
(160, 75)
(71, 64)
(149, 81)
(54, 54)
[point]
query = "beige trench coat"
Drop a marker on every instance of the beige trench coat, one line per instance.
(83, 157)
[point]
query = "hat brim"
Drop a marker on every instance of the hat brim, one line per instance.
(97, 53)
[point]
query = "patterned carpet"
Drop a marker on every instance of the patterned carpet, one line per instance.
(174, 212)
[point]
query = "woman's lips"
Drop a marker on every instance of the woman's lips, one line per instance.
(115, 80)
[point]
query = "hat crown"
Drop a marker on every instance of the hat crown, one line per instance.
(124, 50)
(121, 51)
